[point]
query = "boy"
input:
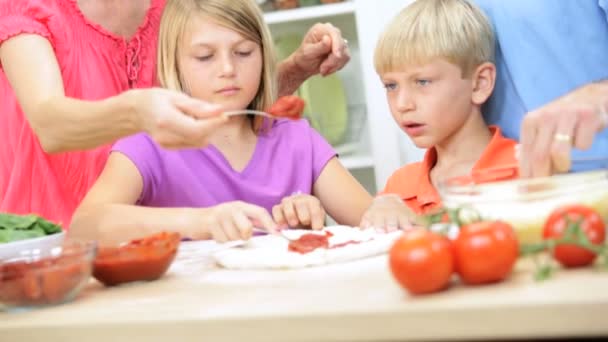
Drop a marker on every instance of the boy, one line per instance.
(435, 60)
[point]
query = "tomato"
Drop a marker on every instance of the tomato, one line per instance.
(485, 252)
(290, 107)
(591, 224)
(422, 261)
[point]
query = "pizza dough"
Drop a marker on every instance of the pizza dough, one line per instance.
(271, 252)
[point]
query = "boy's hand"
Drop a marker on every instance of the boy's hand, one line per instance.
(387, 213)
(300, 210)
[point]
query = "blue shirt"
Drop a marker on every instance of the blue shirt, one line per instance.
(545, 49)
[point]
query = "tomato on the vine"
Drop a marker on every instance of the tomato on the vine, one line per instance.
(485, 251)
(422, 261)
(588, 220)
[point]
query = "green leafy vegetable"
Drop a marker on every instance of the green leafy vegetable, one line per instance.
(20, 227)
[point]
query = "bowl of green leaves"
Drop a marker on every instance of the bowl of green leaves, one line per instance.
(27, 232)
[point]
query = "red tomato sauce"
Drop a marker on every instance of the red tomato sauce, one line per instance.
(290, 107)
(139, 260)
(46, 281)
(309, 242)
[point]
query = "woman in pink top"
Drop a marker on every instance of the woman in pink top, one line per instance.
(71, 79)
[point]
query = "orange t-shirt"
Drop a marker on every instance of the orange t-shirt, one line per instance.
(413, 183)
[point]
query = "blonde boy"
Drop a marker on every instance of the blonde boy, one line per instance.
(435, 60)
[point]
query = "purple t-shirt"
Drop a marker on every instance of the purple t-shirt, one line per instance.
(287, 158)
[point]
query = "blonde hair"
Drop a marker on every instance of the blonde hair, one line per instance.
(242, 16)
(455, 30)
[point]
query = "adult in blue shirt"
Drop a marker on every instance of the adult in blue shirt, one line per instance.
(552, 61)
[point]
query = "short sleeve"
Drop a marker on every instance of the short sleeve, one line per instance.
(322, 153)
(392, 185)
(24, 16)
(146, 156)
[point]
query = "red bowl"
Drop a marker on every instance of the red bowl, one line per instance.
(139, 260)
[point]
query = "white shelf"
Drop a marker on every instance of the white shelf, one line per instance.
(353, 162)
(307, 13)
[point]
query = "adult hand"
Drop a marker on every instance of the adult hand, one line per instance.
(387, 213)
(549, 133)
(300, 210)
(323, 51)
(175, 120)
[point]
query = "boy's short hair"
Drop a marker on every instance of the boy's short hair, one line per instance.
(455, 30)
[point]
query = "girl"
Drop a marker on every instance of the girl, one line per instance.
(220, 51)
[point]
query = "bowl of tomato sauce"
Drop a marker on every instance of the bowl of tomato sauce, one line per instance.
(144, 259)
(526, 203)
(44, 277)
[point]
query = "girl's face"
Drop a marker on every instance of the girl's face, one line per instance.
(219, 65)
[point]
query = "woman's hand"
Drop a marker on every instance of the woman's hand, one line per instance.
(300, 210)
(323, 51)
(63, 123)
(173, 119)
(387, 213)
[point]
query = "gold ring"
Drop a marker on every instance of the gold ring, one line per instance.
(562, 137)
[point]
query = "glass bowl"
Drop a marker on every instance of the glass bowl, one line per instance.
(42, 277)
(526, 203)
(13, 249)
(139, 260)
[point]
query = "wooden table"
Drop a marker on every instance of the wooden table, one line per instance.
(357, 301)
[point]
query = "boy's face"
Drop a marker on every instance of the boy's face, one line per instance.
(429, 102)
(219, 65)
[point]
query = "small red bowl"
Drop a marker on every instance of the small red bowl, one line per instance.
(139, 260)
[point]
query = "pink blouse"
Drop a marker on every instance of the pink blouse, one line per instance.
(95, 64)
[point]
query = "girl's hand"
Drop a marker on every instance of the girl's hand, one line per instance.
(173, 119)
(387, 213)
(300, 210)
(230, 221)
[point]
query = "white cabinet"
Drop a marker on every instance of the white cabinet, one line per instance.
(381, 147)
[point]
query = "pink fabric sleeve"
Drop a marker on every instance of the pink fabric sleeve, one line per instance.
(24, 16)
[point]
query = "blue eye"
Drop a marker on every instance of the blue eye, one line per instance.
(423, 82)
